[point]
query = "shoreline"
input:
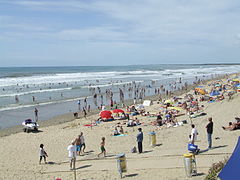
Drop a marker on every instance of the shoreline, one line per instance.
(68, 117)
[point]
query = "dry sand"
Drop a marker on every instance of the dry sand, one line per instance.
(19, 152)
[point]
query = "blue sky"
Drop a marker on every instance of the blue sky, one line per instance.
(118, 32)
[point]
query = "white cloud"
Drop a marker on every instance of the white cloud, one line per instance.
(92, 34)
(148, 20)
(157, 26)
(25, 27)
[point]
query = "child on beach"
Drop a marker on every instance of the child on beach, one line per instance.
(102, 147)
(42, 154)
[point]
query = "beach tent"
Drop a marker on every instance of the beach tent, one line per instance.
(201, 91)
(147, 103)
(214, 93)
(231, 170)
(118, 111)
(105, 114)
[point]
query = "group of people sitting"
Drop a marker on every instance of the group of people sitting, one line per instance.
(118, 132)
(134, 122)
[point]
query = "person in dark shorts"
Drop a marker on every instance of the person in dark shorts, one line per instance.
(82, 140)
(102, 147)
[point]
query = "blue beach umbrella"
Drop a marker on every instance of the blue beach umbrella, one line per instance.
(214, 93)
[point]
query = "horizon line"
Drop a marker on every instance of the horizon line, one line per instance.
(205, 64)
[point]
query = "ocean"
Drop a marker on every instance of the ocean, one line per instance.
(56, 90)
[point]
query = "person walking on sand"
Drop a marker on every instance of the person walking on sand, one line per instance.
(82, 141)
(209, 132)
(72, 154)
(43, 154)
(78, 144)
(84, 113)
(36, 114)
(194, 134)
(102, 147)
(140, 140)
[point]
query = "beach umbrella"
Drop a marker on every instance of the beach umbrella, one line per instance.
(118, 111)
(105, 114)
(175, 108)
(214, 93)
(168, 101)
(235, 80)
(201, 91)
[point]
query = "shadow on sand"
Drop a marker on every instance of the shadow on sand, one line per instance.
(199, 174)
(35, 131)
(85, 166)
(131, 175)
(215, 147)
(147, 151)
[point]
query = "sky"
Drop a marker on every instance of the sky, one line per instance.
(118, 32)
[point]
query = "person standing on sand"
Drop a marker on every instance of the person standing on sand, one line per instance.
(79, 104)
(140, 140)
(72, 154)
(209, 132)
(194, 134)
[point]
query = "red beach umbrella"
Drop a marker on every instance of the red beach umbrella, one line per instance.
(105, 114)
(118, 111)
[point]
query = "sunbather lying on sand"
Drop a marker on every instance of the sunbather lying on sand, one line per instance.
(232, 126)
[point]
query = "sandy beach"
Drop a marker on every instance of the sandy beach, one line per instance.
(19, 151)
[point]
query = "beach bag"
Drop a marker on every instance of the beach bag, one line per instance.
(192, 147)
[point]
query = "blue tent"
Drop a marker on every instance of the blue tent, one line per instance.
(231, 170)
(214, 93)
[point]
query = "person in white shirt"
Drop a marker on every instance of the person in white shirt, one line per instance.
(72, 152)
(194, 134)
(103, 107)
(42, 154)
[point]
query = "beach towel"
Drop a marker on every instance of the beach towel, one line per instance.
(198, 115)
(211, 101)
(120, 135)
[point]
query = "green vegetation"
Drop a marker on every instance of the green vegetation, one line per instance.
(215, 169)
